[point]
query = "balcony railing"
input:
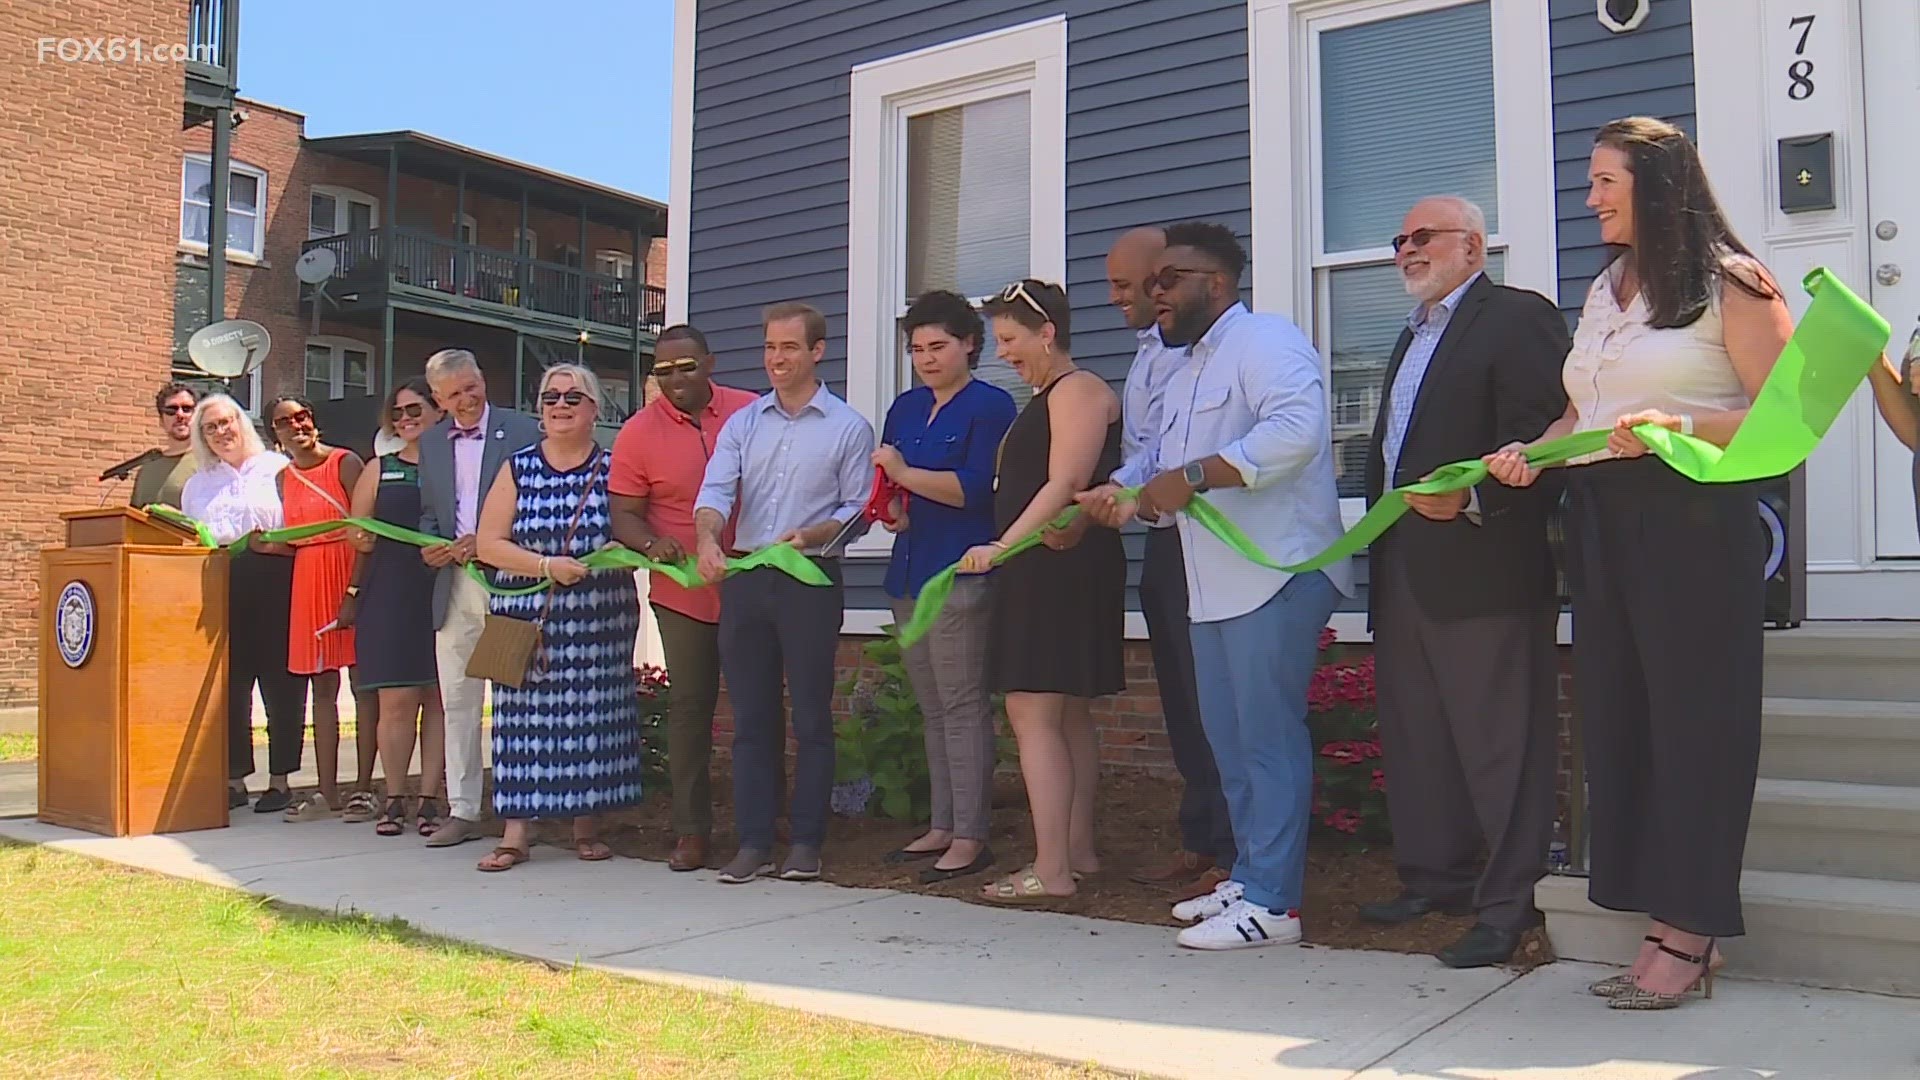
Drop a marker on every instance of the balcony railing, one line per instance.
(211, 39)
(421, 260)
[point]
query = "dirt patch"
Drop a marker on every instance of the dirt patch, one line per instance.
(1136, 828)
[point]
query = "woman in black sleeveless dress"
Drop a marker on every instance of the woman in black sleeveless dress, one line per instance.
(393, 616)
(1059, 608)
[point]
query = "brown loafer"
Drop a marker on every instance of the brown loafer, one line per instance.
(689, 853)
(1202, 886)
(1177, 872)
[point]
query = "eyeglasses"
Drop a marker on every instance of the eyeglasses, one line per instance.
(555, 397)
(1169, 276)
(1018, 291)
(217, 424)
(411, 412)
(686, 365)
(1421, 237)
(176, 410)
(293, 419)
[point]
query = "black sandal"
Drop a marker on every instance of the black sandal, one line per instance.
(393, 820)
(429, 815)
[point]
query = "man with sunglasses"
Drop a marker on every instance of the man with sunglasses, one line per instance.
(1245, 422)
(160, 480)
(459, 458)
(659, 460)
(1207, 851)
(1462, 600)
(793, 467)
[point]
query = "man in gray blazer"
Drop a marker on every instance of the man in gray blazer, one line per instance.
(459, 457)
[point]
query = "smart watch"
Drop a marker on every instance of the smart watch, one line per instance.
(1196, 476)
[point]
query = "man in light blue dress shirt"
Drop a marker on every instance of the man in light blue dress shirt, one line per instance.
(1206, 834)
(795, 466)
(1245, 421)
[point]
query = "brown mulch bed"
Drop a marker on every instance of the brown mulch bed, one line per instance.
(1136, 828)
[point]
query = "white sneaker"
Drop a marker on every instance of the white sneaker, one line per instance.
(1223, 896)
(1243, 925)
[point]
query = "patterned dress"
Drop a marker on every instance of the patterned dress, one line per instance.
(567, 742)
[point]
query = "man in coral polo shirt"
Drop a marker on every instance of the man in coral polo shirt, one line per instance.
(659, 459)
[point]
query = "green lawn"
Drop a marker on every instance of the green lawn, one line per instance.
(109, 971)
(23, 747)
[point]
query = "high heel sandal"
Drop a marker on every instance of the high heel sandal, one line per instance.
(1637, 998)
(1615, 985)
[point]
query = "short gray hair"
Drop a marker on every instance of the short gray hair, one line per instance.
(583, 377)
(1476, 218)
(203, 454)
(450, 362)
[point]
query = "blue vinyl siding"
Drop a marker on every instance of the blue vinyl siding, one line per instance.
(1600, 76)
(1157, 132)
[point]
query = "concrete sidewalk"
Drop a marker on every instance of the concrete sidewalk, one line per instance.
(1117, 994)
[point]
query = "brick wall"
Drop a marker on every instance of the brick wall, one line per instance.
(88, 215)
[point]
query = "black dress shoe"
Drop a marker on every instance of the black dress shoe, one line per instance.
(1482, 946)
(1405, 908)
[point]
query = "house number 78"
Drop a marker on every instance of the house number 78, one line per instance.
(1800, 72)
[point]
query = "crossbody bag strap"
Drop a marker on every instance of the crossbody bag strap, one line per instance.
(317, 489)
(566, 541)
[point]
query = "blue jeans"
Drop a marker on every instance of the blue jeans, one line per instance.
(1252, 673)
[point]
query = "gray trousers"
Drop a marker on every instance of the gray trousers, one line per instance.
(948, 670)
(1469, 729)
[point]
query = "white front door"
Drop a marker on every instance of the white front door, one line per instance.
(1890, 33)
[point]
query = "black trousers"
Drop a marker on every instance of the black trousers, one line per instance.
(772, 626)
(259, 603)
(1204, 826)
(1469, 730)
(1668, 601)
(692, 652)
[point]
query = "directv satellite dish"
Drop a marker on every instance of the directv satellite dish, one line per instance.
(229, 349)
(315, 266)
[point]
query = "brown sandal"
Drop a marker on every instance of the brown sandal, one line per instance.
(504, 858)
(591, 849)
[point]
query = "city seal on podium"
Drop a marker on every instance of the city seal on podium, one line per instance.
(73, 623)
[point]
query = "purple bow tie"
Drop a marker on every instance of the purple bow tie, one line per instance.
(459, 432)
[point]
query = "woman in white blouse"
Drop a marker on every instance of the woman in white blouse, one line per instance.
(1680, 330)
(234, 493)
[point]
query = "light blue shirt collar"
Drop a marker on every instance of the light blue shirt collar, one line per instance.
(772, 401)
(1418, 318)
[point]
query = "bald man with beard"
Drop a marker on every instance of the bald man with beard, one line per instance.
(1207, 850)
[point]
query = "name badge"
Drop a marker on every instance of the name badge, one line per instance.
(393, 476)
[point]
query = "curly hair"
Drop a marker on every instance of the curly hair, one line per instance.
(170, 391)
(1216, 242)
(950, 312)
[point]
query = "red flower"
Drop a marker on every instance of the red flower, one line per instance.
(1379, 781)
(1345, 819)
(1345, 751)
(1327, 637)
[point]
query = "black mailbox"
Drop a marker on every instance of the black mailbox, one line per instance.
(1806, 173)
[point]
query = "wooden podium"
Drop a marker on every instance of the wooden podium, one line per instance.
(133, 677)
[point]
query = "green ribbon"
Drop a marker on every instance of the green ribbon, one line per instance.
(1835, 344)
(783, 557)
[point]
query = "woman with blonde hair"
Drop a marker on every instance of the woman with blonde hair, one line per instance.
(566, 742)
(235, 493)
(1680, 331)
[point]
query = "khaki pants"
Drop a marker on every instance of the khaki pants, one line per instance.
(692, 652)
(463, 698)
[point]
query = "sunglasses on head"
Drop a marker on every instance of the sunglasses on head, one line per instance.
(683, 366)
(1420, 238)
(412, 411)
(555, 397)
(289, 420)
(1018, 291)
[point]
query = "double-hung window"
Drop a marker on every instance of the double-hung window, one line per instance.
(338, 368)
(246, 206)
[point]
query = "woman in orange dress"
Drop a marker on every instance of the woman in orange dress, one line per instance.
(317, 487)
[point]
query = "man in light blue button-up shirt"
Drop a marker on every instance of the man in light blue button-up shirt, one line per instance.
(796, 465)
(1245, 421)
(1206, 833)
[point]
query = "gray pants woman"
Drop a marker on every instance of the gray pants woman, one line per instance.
(948, 669)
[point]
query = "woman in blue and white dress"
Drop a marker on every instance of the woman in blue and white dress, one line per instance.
(566, 743)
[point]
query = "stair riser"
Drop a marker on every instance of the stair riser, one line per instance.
(1851, 761)
(1784, 838)
(1845, 678)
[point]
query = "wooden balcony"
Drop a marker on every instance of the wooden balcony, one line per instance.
(413, 270)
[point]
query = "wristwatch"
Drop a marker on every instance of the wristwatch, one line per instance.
(1196, 476)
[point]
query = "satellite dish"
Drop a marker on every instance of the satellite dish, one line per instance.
(229, 349)
(316, 265)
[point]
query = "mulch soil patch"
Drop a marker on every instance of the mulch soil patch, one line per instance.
(1136, 828)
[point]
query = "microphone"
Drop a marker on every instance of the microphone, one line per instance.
(127, 467)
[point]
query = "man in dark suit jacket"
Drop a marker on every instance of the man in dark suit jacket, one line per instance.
(1462, 599)
(459, 458)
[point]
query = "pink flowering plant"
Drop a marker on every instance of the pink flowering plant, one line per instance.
(651, 685)
(1349, 782)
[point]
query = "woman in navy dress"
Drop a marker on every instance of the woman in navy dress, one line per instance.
(566, 742)
(390, 606)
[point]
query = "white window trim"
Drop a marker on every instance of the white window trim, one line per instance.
(525, 242)
(1284, 123)
(1031, 57)
(341, 196)
(619, 258)
(680, 161)
(472, 225)
(337, 363)
(253, 256)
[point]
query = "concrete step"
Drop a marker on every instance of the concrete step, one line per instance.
(1857, 661)
(1842, 739)
(1811, 929)
(1847, 830)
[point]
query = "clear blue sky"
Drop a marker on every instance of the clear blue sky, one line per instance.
(583, 87)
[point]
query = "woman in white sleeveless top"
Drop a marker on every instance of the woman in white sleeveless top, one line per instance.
(1680, 330)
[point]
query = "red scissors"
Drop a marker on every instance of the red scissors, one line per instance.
(878, 506)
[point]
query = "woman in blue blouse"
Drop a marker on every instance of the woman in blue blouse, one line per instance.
(939, 443)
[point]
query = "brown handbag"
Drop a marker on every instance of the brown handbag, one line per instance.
(510, 649)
